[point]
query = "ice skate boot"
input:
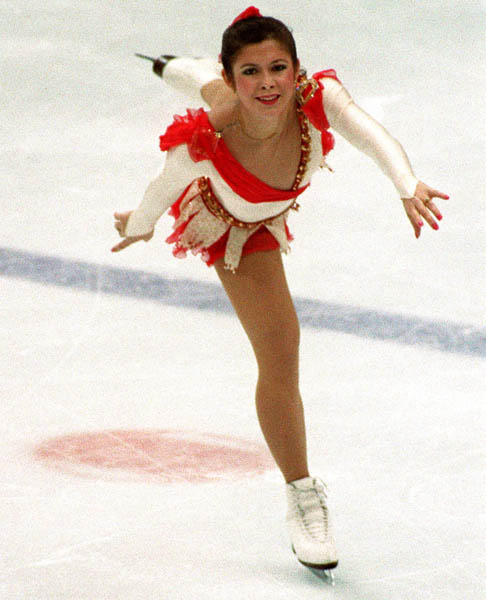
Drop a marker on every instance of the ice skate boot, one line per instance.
(186, 74)
(158, 65)
(309, 524)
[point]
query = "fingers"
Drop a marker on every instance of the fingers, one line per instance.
(421, 208)
(414, 218)
(436, 194)
(122, 216)
(128, 241)
(433, 209)
(121, 220)
(420, 212)
(413, 215)
(123, 244)
(427, 210)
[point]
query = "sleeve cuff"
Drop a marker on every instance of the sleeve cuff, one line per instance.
(137, 225)
(407, 185)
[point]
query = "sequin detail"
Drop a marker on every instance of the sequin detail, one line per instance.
(197, 227)
(305, 149)
(218, 210)
(203, 220)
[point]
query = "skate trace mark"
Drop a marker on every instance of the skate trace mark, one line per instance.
(154, 456)
(196, 295)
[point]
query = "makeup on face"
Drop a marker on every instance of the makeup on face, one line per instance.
(264, 74)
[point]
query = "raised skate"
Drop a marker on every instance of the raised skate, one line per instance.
(158, 63)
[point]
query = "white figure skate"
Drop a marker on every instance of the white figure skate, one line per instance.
(309, 526)
(158, 64)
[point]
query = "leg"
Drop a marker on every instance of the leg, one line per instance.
(197, 77)
(261, 298)
(217, 92)
(259, 293)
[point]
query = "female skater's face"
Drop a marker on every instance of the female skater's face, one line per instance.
(264, 78)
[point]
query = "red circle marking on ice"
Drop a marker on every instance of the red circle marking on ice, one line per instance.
(164, 456)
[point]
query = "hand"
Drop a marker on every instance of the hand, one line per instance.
(121, 220)
(421, 207)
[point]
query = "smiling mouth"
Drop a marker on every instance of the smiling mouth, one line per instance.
(268, 99)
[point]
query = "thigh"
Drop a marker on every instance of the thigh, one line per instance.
(261, 298)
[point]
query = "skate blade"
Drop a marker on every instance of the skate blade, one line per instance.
(323, 572)
(326, 567)
(323, 575)
(145, 57)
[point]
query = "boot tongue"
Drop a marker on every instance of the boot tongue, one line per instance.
(306, 483)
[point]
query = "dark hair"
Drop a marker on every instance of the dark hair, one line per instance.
(253, 31)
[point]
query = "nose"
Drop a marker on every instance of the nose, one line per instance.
(267, 81)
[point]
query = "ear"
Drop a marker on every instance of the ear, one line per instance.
(297, 68)
(229, 81)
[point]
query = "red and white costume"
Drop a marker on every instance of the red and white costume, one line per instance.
(222, 210)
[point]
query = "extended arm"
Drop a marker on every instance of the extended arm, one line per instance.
(369, 136)
(161, 193)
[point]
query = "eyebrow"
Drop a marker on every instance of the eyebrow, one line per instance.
(256, 64)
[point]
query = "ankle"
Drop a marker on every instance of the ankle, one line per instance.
(295, 479)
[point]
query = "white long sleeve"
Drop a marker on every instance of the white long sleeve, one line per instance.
(163, 191)
(178, 172)
(188, 75)
(369, 136)
(344, 116)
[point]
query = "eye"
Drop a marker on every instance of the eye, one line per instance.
(279, 67)
(249, 71)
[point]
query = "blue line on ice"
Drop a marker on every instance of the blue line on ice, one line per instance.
(187, 293)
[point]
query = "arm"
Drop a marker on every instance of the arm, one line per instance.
(369, 136)
(161, 193)
(365, 133)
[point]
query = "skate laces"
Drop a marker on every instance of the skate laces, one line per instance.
(311, 506)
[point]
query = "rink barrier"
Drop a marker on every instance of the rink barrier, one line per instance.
(197, 295)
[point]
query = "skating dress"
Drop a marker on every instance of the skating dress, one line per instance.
(223, 211)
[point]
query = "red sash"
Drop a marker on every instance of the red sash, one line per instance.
(204, 143)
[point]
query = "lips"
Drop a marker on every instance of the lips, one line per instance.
(269, 100)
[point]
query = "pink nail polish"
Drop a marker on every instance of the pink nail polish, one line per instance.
(421, 224)
(439, 217)
(435, 226)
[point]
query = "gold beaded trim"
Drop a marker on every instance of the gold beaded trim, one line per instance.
(305, 149)
(218, 211)
(302, 85)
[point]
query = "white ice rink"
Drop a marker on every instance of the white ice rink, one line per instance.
(133, 467)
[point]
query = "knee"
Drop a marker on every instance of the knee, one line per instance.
(281, 349)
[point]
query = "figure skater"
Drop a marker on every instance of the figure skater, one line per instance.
(230, 178)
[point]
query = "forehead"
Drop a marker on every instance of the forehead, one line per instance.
(264, 52)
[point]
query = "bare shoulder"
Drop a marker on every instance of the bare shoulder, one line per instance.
(223, 115)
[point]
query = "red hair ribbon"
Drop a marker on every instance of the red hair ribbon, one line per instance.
(251, 11)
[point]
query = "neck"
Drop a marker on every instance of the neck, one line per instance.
(264, 128)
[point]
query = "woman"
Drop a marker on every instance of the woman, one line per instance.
(231, 176)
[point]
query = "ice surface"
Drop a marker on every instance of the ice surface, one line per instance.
(393, 338)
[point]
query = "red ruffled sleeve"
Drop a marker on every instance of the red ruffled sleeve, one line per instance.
(193, 129)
